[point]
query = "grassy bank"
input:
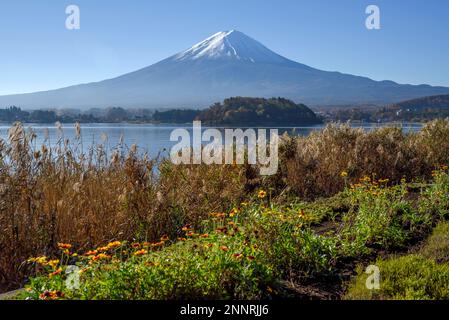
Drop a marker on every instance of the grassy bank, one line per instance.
(283, 243)
(263, 249)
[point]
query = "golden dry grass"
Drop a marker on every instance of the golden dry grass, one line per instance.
(50, 195)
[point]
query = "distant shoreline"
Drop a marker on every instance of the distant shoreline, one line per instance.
(187, 124)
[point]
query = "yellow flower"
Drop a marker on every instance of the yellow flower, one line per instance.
(53, 263)
(140, 252)
(233, 212)
(344, 174)
(41, 260)
(262, 194)
(365, 179)
(114, 244)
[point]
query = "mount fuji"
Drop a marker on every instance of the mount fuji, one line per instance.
(226, 64)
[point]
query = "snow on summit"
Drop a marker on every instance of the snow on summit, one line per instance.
(233, 45)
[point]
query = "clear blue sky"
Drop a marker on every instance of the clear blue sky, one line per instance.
(37, 52)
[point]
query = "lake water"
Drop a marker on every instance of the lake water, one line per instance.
(151, 138)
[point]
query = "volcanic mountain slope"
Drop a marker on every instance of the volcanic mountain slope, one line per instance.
(226, 64)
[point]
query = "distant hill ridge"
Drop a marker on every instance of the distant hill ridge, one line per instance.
(438, 101)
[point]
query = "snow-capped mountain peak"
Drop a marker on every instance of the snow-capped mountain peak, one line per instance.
(224, 65)
(231, 45)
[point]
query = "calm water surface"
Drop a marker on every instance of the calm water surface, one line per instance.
(151, 138)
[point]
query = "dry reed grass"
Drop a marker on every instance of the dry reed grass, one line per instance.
(60, 194)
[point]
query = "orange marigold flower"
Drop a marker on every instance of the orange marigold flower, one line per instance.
(64, 245)
(140, 252)
(237, 255)
(135, 245)
(91, 253)
(182, 239)
(165, 238)
(59, 271)
(114, 244)
(100, 256)
(204, 235)
(251, 258)
(262, 194)
(102, 249)
(208, 245)
(224, 248)
(158, 244)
